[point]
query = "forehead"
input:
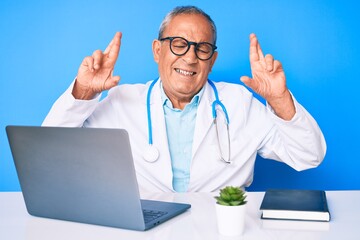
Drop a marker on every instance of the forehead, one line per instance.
(193, 27)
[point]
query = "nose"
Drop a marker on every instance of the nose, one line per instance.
(190, 56)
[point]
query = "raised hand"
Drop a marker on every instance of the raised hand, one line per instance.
(95, 73)
(268, 80)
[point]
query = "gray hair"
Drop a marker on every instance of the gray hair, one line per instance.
(186, 10)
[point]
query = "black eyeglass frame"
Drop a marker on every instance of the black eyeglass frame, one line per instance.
(189, 43)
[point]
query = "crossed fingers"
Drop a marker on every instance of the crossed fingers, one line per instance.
(107, 58)
(256, 56)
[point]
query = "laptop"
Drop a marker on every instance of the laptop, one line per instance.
(83, 175)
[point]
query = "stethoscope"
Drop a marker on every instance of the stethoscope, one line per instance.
(151, 153)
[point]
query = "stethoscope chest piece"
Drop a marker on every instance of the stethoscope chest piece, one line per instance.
(151, 154)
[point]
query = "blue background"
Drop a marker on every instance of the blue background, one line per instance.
(42, 44)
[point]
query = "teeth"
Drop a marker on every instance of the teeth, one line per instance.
(183, 72)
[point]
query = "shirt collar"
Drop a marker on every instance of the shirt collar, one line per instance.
(166, 101)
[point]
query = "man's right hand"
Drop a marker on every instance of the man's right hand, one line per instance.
(95, 73)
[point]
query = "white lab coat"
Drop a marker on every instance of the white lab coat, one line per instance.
(254, 129)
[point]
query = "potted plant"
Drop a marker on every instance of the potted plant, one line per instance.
(230, 211)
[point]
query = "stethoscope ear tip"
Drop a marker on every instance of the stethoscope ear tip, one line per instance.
(225, 161)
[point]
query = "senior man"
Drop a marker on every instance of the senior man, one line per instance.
(188, 133)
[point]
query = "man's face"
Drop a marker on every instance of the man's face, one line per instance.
(184, 76)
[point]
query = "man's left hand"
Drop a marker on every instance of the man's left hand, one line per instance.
(268, 80)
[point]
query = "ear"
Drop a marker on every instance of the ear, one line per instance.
(212, 60)
(156, 48)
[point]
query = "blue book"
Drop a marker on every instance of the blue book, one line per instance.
(308, 205)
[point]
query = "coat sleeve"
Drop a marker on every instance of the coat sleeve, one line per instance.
(70, 112)
(298, 142)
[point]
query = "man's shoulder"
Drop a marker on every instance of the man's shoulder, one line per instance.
(237, 95)
(232, 88)
(127, 89)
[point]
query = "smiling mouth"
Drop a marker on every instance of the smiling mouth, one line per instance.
(184, 72)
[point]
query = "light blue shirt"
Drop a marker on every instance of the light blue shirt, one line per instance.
(180, 126)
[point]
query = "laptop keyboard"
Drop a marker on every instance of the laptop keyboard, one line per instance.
(150, 215)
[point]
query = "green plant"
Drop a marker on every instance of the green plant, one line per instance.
(231, 196)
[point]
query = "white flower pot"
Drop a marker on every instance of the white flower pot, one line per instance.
(230, 219)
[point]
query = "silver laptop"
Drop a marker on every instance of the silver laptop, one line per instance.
(84, 175)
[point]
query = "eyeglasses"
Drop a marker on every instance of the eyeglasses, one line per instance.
(180, 46)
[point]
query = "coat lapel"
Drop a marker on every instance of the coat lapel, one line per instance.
(204, 118)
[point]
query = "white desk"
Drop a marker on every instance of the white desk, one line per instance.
(198, 223)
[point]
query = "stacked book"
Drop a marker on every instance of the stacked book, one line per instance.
(308, 205)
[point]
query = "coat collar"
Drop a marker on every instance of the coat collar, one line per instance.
(208, 95)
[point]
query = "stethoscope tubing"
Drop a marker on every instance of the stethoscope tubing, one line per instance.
(149, 111)
(217, 102)
(152, 153)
